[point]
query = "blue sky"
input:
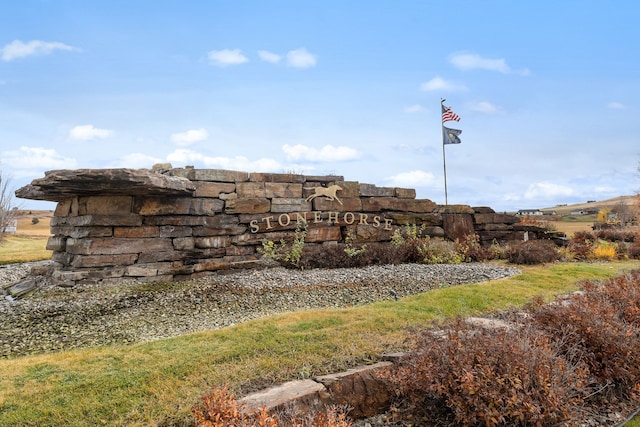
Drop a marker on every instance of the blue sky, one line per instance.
(548, 92)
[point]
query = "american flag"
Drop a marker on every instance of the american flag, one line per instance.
(448, 115)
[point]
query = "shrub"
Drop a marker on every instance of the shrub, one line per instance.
(565, 254)
(34, 220)
(337, 256)
(330, 257)
(289, 254)
(414, 246)
(603, 251)
(633, 251)
(219, 408)
(350, 249)
(408, 240)
(470, 249)
(550, 367)
(532, 252)
(438, 251)
(489, 377)
(581, 245)
(616, 235)
(380, 253)
(409, 244)
(601, 329)
(622, 250)
(408, 232)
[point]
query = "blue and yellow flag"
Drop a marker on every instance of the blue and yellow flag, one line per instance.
(450, 136)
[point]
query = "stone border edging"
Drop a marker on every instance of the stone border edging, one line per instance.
(358, 388)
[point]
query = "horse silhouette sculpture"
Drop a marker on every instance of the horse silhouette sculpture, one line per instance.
(328, 192)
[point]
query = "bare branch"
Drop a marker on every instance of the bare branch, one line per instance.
(7, 211)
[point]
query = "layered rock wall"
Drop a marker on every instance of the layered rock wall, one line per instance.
(182, 223)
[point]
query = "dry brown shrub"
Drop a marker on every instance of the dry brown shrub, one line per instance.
(220, 408)
(581, 245)
(633, 250)
(600, 329)
(617, 235)
(489, 377)
(532, 252)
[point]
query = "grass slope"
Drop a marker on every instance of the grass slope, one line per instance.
(608, 203)
(22, 249)
(156, 383)
(30, 240)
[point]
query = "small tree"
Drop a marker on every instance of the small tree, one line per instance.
(7, 213)
(624, 212)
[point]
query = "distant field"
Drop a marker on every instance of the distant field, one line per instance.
(609, 203)
(23, 249)
(26, 226)
(573, 223)
(569, 228)
(30, 241)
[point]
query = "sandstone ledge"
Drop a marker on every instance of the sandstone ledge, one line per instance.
(61, 184)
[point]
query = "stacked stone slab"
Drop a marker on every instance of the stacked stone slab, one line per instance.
(182, 223)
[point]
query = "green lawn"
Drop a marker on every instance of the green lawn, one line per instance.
(156, 383)
(21, 249)
(634, 422)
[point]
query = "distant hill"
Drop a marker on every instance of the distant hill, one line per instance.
(609, 203)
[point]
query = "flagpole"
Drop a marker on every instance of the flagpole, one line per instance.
(449, 136)
(444, 160)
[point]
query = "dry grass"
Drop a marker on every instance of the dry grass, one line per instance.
(26, 226)
(569, 228)
(23, 249)
(30, 240)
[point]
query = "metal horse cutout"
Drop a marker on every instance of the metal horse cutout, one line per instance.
(328, 192)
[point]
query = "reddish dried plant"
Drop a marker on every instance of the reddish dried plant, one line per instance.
(220, 408)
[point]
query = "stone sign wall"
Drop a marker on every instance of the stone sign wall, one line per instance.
(181, 223)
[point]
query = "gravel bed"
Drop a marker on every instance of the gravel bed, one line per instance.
(55, 318)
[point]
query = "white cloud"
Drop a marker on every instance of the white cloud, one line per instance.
(138, 161)
(225, 57)
(416, 178)
(419, 150)
(328, 153)
(472, 61)
(416, 108)
(301, 58)
(184, 156)
(88, 132)
(438, 83)
(189, 137)
(616, 106)
(19, 49)
(271, 57)
(511, 197)
(36, 158)
(607, 189)
(484, 107)
(547, 190)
